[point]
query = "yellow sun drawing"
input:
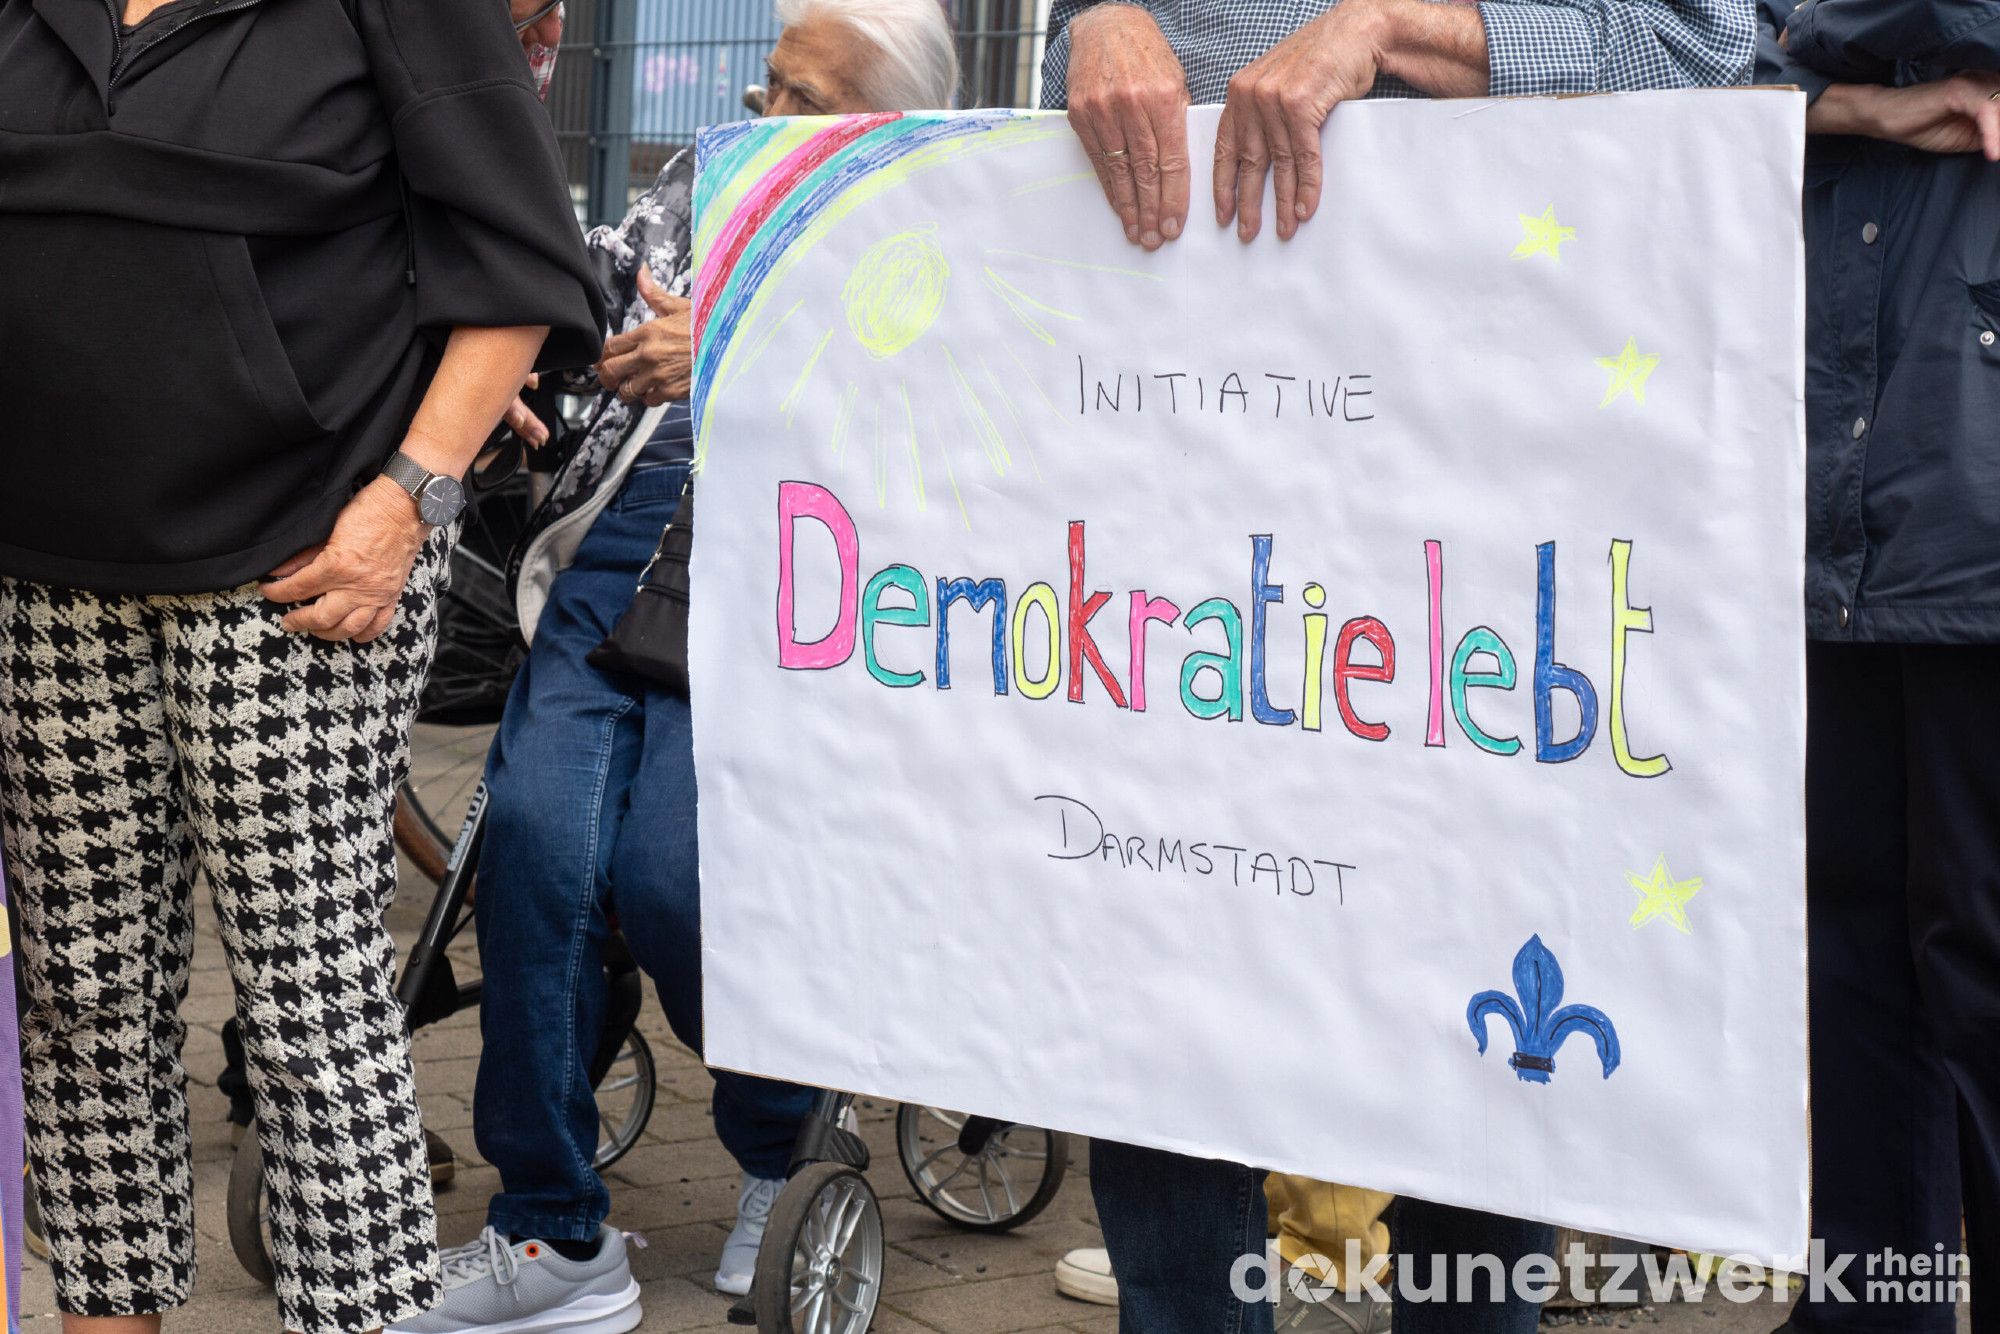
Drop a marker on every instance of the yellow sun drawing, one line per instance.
(895, 291)
(939, 407)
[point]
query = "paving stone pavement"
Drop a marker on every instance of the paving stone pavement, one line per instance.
(678, 1188)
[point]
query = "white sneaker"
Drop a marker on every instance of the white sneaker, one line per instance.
(496, 1287)
(1086, 1275)
(739, 1253)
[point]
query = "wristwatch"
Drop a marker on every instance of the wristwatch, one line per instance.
(439, 499)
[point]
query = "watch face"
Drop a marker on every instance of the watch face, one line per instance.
(441, 501)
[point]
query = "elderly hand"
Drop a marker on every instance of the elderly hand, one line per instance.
(1128, 102)
(521, 418)
(1955, 115)
(349, 585)
(1277, 104)
(654, 363)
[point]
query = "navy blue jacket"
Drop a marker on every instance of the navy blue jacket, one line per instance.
(1902, 335)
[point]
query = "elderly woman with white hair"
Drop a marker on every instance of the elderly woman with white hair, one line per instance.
(591, 779)
(887, 55)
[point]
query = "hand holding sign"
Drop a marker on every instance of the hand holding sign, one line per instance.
(1127, 103)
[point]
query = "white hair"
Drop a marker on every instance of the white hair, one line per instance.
(918, 65)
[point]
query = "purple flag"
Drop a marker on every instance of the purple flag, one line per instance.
(11, 1166)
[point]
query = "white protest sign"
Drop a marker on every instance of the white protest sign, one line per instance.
(1334, 705)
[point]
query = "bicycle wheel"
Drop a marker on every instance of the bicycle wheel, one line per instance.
(984, 1175)
(446, 764)
(478, 655)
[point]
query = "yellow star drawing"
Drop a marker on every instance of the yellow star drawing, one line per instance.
(1629, 371)
(1543, 235)
(1663, 896)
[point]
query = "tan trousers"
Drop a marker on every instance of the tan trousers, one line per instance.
(1314, 1221)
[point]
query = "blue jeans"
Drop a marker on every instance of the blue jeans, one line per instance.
(1175, 1227)
(592, 789)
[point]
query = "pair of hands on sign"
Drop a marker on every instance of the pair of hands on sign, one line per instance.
(650, 364)
(1128, 99)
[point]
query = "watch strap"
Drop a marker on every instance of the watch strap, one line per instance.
(407, 473)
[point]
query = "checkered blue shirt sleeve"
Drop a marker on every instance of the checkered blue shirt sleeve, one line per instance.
(1532, 46)
(1606, 46)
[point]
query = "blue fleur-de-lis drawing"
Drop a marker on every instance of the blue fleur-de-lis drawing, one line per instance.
(1540, 1020)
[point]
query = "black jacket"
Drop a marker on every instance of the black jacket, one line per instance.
(231, 246)
(1902, 335)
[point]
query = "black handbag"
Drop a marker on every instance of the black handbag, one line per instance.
(650, 640)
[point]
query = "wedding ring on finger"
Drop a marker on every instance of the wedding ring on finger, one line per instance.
(1116, 152)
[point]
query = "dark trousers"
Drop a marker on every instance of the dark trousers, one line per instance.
(1175, 1227)
(1903, 887)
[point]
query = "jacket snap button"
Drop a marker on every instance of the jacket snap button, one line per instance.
(1987, 339)
(1870, 234)
(1860, 427)
(1844, 618)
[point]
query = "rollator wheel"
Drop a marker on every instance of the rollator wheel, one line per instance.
(249, 1228)
(249, 1206)
(983, 1175)
(819, 1270)
(624, 1100)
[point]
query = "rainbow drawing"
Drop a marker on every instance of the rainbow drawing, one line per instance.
(767, 191)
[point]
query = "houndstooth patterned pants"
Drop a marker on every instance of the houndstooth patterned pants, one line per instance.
(143, 740)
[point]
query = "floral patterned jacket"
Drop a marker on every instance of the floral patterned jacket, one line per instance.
(656, 231)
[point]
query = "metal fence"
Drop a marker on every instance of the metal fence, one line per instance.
(637, 78)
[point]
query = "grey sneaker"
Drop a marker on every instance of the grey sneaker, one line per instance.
(526, 1288)
(1306, 1306)
(739, 1253)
